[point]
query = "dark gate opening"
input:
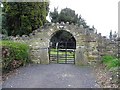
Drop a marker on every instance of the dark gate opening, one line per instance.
(62, 48)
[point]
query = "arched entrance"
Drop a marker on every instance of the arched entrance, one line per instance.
(62, 48)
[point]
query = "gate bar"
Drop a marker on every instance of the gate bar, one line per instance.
(57, 55)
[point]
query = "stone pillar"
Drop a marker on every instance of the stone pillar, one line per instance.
(80, 57)
(39, 53)
(44, 55)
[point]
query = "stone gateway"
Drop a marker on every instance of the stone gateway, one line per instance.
(88, 45)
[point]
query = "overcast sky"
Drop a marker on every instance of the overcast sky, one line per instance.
(103, 14)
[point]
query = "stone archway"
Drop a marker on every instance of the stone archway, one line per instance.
(62, 37)
(62, 47)
(40, 43)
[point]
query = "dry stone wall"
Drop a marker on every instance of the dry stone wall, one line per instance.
(90, 46)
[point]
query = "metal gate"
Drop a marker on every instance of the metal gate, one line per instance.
(61, 56)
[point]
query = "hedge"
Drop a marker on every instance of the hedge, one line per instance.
(14, 55)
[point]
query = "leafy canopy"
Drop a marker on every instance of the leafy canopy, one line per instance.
(67, 15)
(23, 17)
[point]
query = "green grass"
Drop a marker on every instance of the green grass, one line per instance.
(110, 61)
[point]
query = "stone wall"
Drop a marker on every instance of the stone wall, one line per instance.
(90, 46)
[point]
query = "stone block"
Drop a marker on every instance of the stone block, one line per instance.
(80, 59)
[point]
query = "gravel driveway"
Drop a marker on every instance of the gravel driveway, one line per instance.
(52, 76)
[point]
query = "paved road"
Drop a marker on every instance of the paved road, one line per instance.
(52, 76)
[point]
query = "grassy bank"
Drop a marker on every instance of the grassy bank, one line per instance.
(14, 55)
(107, 72)
(110, 62)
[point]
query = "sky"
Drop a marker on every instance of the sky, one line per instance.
(103, 14)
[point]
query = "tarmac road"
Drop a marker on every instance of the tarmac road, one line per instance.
(52, 76)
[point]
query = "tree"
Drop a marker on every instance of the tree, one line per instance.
(24, 17)
(54, 15)
(67, 15)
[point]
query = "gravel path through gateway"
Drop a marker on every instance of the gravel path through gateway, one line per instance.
(52, 76)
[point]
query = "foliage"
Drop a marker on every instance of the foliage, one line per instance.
(54, 15)
(23, 17)
(67, 15)
(110, 61)
(14, 55)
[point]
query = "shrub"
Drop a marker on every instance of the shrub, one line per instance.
(110, 61)
(14, 55)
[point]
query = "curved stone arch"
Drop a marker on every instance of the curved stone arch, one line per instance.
(40, 42)
(53, 31)
(62, 30)
(72, 36)
(73, 31)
